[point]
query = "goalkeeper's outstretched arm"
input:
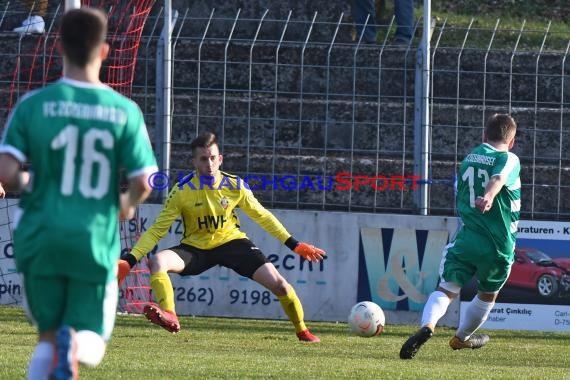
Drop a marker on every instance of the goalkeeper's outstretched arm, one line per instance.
(251, 206)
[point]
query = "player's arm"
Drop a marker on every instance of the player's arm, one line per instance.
(152, 236)
(505, 173)
(252, 208)
(11, 174)
(493, 188)
(137, 192)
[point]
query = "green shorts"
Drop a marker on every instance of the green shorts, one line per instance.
(474, 254)
(54, 301)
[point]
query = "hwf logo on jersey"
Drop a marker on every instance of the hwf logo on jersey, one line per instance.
(399, 267)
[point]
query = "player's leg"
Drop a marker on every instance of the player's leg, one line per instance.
(475, 315)
(182, 259)
(43, 304)
(434, 309)
(160, 264)
(90, 317)
(454, 272)
(492, 273)
(246, 259)
(268, 276)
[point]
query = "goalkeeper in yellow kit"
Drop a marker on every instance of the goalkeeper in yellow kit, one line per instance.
(212, 236)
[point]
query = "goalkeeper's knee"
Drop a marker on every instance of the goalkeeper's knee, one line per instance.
(90, 348)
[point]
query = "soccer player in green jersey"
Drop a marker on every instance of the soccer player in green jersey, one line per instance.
(78, 135)
(212, 236)
(488, 202)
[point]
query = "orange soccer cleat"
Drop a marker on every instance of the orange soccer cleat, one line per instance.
(165, 319)
(307, 336)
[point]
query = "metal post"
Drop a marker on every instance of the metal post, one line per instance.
(422, 128)
(159, 105)
(221, 136)
(300, 125)
(250, 91)
(534, 132)
(327, 106)
(198, 70)
(160, 134)
(379, 108)
(353, 113)
(562, 131)
(166, 93)
(276, 101)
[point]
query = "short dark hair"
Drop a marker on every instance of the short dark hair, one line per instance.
(82, 30)
(500, 127)
(204, 140)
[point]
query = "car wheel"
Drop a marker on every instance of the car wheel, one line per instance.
(547, 286)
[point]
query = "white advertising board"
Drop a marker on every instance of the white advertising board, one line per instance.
(11, 291)
(392, 260)
(537, 294)
(389, 259)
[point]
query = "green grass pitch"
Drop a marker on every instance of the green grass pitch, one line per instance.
(225, 348)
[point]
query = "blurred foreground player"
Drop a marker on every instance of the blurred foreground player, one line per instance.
(77, 134)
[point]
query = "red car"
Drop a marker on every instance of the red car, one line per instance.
(534, 269)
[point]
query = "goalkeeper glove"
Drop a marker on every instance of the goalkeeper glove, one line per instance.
(125, 264)
(308, 251)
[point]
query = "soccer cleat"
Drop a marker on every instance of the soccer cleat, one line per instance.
(33, 24)
(307, 336)
(66, 365)
(165, 319)
(411, 347)
(475, 341)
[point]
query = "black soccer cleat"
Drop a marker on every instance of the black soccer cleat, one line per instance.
(475, 341)
(411, 347)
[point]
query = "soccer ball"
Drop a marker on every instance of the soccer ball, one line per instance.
(366, 319)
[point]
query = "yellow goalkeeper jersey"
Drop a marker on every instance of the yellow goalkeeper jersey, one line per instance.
(208, 213)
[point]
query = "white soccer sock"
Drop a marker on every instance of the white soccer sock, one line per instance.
(475, 315)
(435, 308)
(41, 361)
(90, 348)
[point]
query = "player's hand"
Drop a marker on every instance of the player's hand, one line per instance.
(124, 269)
(2, 192)
(483, 204)
(309, 252)
(125, 264)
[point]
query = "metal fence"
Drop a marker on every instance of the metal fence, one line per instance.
(304, 100)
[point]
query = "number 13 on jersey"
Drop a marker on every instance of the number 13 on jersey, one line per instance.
(480, 182)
